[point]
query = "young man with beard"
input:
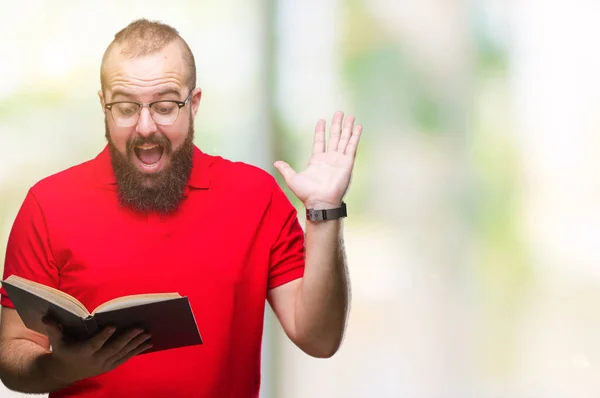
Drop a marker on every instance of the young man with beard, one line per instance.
(153, 213)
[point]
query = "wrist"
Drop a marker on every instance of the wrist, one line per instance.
(326, 212)
(322, 205)
(51, 370)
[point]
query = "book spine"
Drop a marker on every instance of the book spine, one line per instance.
(90, 325)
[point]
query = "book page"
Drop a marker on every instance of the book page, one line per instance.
(50, 294)
(134, 300)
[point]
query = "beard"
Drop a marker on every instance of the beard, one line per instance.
(162, 191)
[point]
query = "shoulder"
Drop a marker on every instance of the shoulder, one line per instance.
(64, 184)
(226, 173)
(55, 196)
(259, 188)
(232, 180)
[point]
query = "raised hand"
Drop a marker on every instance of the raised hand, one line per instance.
(326, 179)
(76, 361)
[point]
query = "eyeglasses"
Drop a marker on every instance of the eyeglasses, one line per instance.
(164, 112)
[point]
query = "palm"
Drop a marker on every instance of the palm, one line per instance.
(326, 179)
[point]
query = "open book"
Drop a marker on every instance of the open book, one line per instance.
(168, 317)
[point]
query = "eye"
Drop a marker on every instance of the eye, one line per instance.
(126, 108)
(164, 108)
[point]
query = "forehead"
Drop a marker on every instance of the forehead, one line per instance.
(165, 66)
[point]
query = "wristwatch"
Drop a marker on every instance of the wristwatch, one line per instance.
(328, 214)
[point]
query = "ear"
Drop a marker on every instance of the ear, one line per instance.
(101, 96)
(195, 100)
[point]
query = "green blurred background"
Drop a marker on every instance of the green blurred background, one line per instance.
(474, 208)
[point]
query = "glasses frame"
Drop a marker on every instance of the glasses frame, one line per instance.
(141, 105)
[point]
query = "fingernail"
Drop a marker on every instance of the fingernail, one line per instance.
(111, 330)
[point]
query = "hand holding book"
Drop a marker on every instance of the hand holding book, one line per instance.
(168, 317)
(73, 361)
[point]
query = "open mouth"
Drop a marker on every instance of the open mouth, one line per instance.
(149, 155)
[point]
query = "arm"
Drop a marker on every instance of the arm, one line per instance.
(28, 254)
(23, 356)
(313, 310)
(27, 364)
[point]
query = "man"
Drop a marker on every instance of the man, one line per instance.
(153, 213)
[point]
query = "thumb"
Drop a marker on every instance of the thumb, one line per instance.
(53, 331)
(285, 169)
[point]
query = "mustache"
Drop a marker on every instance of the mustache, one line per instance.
(154, 139)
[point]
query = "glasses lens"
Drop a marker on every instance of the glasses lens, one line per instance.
(125, 113)
(165, 112)
(128, 113)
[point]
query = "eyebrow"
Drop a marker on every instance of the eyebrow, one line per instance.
(166, 91)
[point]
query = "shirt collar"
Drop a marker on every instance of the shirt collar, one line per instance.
(199, 177)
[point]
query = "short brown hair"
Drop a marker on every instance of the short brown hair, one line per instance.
(144, 37)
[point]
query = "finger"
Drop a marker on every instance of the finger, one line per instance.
(113, 347)
(131, 354)
(335, 131)
(319, 139)
(97, 342)
(132, 345)
(346, 134)
(354, 140)
(285, 169)
(53, 331)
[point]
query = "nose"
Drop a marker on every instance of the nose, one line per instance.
(145, 125)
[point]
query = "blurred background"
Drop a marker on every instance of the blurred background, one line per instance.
(475, 203)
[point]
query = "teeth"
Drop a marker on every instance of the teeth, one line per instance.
(149, 166)
(147, 146)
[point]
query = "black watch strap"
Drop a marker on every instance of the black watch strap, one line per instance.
(328, 214)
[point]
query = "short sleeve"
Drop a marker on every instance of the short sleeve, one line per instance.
(287, 252)
(28, 252)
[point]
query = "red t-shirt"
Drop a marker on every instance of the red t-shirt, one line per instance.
(235, 236)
